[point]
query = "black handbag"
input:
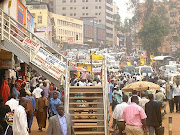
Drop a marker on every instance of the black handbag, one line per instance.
(160, 130)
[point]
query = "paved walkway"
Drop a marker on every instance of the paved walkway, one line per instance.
(175, 127)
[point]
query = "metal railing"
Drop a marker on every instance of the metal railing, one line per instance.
(16, 32)
(105, 96)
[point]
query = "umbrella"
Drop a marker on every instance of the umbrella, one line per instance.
(140, 86)
(72, 68)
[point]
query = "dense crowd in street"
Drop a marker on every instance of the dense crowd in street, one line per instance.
(134, 113)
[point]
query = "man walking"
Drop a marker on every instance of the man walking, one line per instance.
(153, 113)
(61, 123)
(20, 118)
(135, 118)
(170, 97)
(117, 115)
(176, 95)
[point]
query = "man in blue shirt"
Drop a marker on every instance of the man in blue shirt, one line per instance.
(53, 102)
(61, 123)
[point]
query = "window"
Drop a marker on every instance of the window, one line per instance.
(99, 0)
(71, 7)
(86, 0)
(76, 37)
(99, 7)
(99, 13)
(96, 13)
(83, 13)
(64, 14)
(87, 14)
(96, 7)
(99, 20)
(74, 14)
(71, 0)
(173, 14)
(63, 1)
(83, 0)
(83, 7)
(39, 19)
(86, 7)
(64, 8)
(71, 14)
(96, 0)
(75, 8)
(74, 0)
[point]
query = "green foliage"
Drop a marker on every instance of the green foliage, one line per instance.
(152, 34)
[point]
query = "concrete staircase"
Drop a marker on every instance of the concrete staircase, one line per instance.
(86, 107)
(12, 35)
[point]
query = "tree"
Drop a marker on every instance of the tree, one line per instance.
(152, 34)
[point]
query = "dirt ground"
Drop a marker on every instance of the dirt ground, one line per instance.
(175, 124)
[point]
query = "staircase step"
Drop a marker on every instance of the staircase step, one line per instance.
(85, 97)
(87, 114)
(85, 87)
(95, 126)
(90, 133)
(87, 120)
(77, 103)
(84, 108)
(88, 92)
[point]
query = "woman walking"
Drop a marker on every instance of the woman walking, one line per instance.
(41, 111)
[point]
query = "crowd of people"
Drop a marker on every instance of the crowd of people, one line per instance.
(141, 112)
(33, 95)
(29, 96)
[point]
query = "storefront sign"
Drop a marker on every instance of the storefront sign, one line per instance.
(49, 63)
(30, 44)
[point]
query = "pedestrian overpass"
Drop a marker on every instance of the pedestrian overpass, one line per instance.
(54, 66)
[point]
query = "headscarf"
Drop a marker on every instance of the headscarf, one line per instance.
(5, 91)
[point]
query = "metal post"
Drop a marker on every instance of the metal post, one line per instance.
(2, 26)
(66, 90)
(170, 125)
(9, 28)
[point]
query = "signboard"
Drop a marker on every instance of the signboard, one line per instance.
(70, 40)
(97, 57)
(49, 63)
(44, 28)
(30, 44)
(30, 22)
(21, 13)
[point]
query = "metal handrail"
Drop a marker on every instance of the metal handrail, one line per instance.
(31, 33)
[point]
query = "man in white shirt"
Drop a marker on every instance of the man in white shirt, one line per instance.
(37, 91)
(13, 103)
(143, 100)
(20, 118)
(176, 96)
(117, 115)
(134, 93)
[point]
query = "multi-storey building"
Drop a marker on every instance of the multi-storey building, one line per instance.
(56, 27)
(172, 41)
(99, 10)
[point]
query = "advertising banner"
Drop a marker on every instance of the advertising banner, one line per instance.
(30, 44)
(30, 22)
(49, 63)
(21, 13)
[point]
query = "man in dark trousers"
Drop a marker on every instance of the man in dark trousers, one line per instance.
(153, 113)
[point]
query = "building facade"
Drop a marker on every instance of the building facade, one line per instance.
(56, 28)
(94, 33)
(100, 10)
(172, 41)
